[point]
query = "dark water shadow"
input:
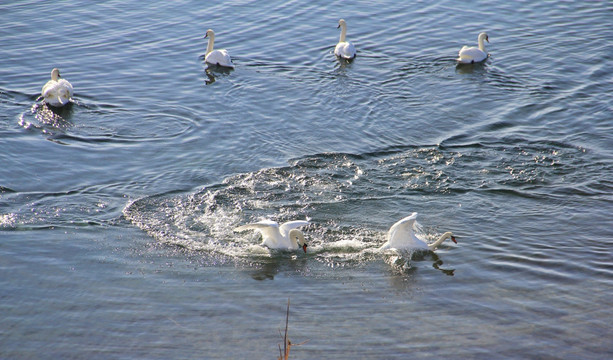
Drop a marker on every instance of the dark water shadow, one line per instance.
(213, 71)
(280, 261)
(478, 68)
(404, 262)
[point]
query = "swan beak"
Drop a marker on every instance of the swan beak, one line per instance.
(453, 239)
(487, 39)
(339, 25)
(304, 246)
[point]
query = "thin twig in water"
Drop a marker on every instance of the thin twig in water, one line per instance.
(287, 344)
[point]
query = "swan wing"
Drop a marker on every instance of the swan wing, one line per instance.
(57, 93)
(471, 54)
(345, 50)
(219, 57)
(404, 225)
(47, 88)
(286, 227)
(402, 235)
(268, 228)
(64, 91)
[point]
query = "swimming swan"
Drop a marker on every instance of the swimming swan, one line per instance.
(344, 49)
(216, 57)
(57, 92)
(471, 55)
(402, 237)
(285, 237)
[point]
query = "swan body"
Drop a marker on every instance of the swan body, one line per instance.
(401, 236)
(216, 57)
(275, 236)
(344, 49)
(471, 55)
(57, 92)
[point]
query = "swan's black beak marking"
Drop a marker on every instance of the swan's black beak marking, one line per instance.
(339, 25)
(304, 246)
(453, 239)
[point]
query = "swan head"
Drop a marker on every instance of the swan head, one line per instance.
(341, 23)
(55, 74)
(450, 235)
(483, 36)
(296, 236)
(209, 33)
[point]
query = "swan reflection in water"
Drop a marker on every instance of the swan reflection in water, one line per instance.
(403, 261)
(213, 71)
(280, 261)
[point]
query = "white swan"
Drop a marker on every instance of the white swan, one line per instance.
(57, 92)
(344, 49)
(216, 57)
(471, 55)
(284, 237)
(401, 236)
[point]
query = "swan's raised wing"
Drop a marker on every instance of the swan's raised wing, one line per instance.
(268, 228)
(286, 227)
(403, 224)
(401, 233)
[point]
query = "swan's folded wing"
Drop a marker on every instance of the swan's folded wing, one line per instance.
(290, 225)
(345, 50)
(472, 53)
(219, 57)
(464, 48)
(66, 86)
(50, 88)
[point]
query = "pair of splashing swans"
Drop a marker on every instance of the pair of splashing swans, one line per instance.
(401, 236)
(471, 55)
(57, 91)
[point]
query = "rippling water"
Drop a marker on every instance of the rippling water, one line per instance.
(117, 212)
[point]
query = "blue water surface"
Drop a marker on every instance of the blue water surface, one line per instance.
(117, 212)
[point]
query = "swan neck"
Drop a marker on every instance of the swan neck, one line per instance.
(439, 241)
(209, 46)
(296, 237)
(343, 33)
(481, 44)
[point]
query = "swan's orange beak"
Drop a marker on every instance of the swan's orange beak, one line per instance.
(304, 246)
(453, 239)
(487, 39)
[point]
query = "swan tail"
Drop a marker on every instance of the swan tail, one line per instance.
(64, 98)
